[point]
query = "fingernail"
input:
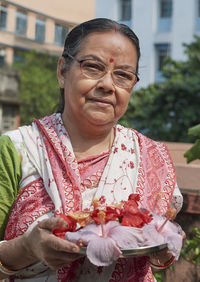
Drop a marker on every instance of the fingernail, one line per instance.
(75, 250)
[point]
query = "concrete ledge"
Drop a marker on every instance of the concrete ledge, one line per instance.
(177, 151)
(188, 177)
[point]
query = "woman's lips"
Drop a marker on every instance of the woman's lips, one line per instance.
(101, 102)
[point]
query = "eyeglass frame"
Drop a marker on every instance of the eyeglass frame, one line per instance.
(81, 61)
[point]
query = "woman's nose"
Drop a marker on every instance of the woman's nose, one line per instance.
(106, 82)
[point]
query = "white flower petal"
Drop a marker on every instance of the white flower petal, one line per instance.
(126, 237)
(102, 251)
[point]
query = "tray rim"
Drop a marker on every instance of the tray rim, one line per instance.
(141, 251)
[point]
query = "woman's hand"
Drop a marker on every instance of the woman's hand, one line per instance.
(164, 258)
(160, 258)
(38, 245)
(42, 245)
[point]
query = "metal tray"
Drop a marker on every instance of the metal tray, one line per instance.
(142, 251)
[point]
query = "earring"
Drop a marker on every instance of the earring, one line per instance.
(62, 81)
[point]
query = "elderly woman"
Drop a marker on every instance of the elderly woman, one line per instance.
(62, 162)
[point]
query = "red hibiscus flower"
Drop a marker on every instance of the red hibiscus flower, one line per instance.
(132, 215)
(113, 213)
(60, 232)
(108, 214)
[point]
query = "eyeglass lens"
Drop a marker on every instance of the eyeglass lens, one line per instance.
(96, 70)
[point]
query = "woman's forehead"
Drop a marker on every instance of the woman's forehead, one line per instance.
(111, 43)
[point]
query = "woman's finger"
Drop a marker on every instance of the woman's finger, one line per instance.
(52, 223)
(61, 245)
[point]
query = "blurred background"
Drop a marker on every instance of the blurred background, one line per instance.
(165, 103)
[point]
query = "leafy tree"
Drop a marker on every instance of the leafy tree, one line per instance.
(194, 152)
(191, 251)
(39, 91)
(164, 111)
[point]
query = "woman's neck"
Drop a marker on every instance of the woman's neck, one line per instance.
(89, 141)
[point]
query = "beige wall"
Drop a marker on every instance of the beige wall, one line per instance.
(75, 11)
(188, 175)
(177, 151)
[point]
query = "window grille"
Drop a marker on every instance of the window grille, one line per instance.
(21, 23)
(40, 30)
(60, 34)
(125, 10)
(166, 8)
(162, 52)
(3, 17)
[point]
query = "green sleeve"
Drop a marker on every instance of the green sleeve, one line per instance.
(10, 175)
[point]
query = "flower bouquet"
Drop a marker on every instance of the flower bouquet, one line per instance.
(107, 230)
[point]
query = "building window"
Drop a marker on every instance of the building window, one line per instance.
(198, 15)
(19, 55)
(9, 118)
(2, 57)
(40, 30)
(198, 8)
(60, 34)
(165, 8)
(21, 23)
(162, 52)
(3, 17)
(165, 16)
(125, 10)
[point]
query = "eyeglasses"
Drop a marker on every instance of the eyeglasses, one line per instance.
(95, 70)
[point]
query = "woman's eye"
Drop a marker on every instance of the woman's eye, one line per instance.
(124, 75)
(93, 66)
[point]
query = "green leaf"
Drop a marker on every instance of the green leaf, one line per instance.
(194, 131)
(194, 152)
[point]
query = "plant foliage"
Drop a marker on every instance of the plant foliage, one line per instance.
(164, 111)
(39, 92)
(191, 251)
(194, 152)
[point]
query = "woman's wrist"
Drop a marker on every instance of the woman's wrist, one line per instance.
(4, 269)
(13, 256)
(160, 266)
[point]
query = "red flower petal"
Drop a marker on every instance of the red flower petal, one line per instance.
(60, 232)
(132, 215)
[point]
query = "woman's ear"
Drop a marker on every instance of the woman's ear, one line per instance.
(60, 72)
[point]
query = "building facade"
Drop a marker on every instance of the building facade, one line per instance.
(9, 99)
(162, 27)
(40, 25)
(26, 25)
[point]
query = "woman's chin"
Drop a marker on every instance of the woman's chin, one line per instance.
(100, 120)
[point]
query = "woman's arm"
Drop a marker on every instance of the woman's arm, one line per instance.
(38, 245)
(10, 175)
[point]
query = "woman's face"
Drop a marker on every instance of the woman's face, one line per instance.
(99, 102)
